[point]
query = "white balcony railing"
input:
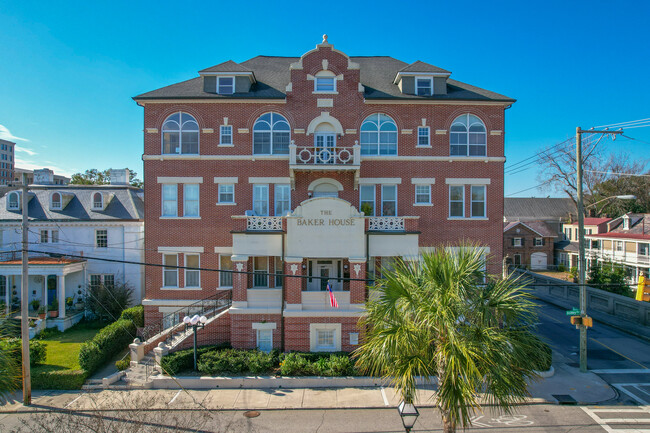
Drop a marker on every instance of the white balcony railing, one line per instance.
(264, 223)
(324, 156)
(386, 224)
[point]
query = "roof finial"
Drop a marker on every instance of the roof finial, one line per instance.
(325, 39)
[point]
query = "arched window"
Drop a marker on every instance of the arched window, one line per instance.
(467, 136)
(98, 201)
(180, 134)
(271, 135)
(378, 135)
(56, 201)
(13, 200)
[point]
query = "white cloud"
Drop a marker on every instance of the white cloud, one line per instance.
(35, 165)
(5, 134)
(25, 150)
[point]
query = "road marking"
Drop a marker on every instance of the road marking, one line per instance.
(621, 371)
(177, 394)
(80, 395)
(620, 386)
(383, 395)
(629, 359)
(603, 422)
(550, 317)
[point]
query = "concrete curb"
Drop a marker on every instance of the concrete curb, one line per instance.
(108, 380)
(546, 374)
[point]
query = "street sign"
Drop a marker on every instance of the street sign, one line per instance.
(574, 312)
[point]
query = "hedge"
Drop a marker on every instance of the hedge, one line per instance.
(235, 361)
(59, 379)
(107, 343)
(135, 314)
(182, 360)
(317, 364)
(13, 346)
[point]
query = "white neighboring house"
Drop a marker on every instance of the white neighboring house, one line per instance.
(86, 221)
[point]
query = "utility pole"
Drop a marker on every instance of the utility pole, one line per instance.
(24, 302)
(581, 242)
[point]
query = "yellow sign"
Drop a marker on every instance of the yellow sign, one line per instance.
(641, 294)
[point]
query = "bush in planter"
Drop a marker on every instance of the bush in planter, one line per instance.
(136, 314)
(69, 301)
(107, 342)
(36, 304)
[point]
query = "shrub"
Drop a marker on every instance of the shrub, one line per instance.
(544, 363)
(182, 360)
(106, 343)
(13, 346)
(106, 302)
(136, 314)
(237, 362)
(561, 268)
(123, 364)
(295, 364)
(59, 379)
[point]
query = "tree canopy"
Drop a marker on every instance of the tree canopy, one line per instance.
(103, 177)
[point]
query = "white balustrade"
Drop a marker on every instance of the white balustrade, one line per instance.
(385, 224)
(310, 155)
(264, 223)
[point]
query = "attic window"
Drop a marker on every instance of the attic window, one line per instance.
(325, 82)
(56, 200)
(626, 223)
(225, 85)
(98, 201)
(424, 86)
(13, 200)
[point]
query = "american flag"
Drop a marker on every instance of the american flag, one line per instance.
(333, 302)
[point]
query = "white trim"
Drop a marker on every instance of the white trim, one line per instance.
(467, 181)
(267, 325)
(151, 130)
(321, 180)
(221, 135)
(223, 250)
(471, 202)
(236, 74)
(374, 199)
(180, 288)
(441, 131)
(169, 302)
(378, 180)
(412, 101)
(407, 131)
(191, 270)
(381, 198)
(256, 310)
(198, 200)
(236, 100)
(165, 179)
(423, 77)
(243, 130)
(220, 77)
(313, 336)
(428, 129)
(423, 180)
(467, 219)
(425, 74)
(223, 185)
(194, 157)
(422, 204)
(226, 204)
(325, 118)
(207, 130)
(269, 180)
(495, 132)
(425, 203)
(334, 312)
(450, 217)
(195, 250)
(179, 218)
(226, 180)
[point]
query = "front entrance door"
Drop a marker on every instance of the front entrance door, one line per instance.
(324, 143)
(325, 272)
(322, 272)
(51, 288)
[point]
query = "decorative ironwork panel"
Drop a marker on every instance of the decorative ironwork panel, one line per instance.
(264, 223)
(385, 224)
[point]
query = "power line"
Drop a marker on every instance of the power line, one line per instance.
(618, 174)
(625, 123)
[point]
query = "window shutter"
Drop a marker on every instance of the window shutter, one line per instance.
(512, 242)
(543, 242)
(523, 241)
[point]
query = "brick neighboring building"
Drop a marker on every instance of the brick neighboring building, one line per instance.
(529, 244)
(7, 151)
(267, 166)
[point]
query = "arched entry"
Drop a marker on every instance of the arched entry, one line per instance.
(325, 187)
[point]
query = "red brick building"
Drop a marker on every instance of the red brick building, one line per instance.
(322, 166)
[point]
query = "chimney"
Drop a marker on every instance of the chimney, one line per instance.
(44, 176)
(119, 176)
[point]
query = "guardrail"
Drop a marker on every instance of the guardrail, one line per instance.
(311, 155)
(264, 223)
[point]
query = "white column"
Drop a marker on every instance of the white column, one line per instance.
(61, 288)
(10, 285)
(46, 302)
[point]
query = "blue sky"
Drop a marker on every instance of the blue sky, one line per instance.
(68, 70)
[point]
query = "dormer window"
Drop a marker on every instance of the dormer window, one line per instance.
(56, 201)
(14, 201)
(626, 223)
(225, 85)
(424, 86)
(325, 82)
(98, 201)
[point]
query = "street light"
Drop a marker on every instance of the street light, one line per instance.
(409, 414)
(195, 322)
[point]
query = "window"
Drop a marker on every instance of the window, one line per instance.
(282, 199)
(55, 236)
(539, 242)
(643, 249)
(101, 238)
(467, 136)
(225, 278)
(424, 138)
(278, 272)
(265, 340)
(326, 339)
(44, 236)
(271, 135)
(424, 86)
(169, 200)
(56, 201)
(260, 270)
(456, 201)
(325, 84)
(422, 194)
(367, 199)
(389, 200)
(170, 271)
(192, 276)
(97, 280)
(109, 280)
(261, 200)
(13, 200)
(619, 245)
(191, 200)
(225, 85)
(478, 201)
(3, 287)
(226, 193)
(98, 201)
(225, 136)
(517, 242)
(180, 134)
(595, 244)
(517, 259)
(378, 135)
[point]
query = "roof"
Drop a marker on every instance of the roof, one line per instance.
(639, 228)
(125, 203)
(44, 261)
(273, 75)
(537, 209)
(593, 221)
(539, 227)
(613, 235)
(567, 246)
(228, 66)
(419, 66)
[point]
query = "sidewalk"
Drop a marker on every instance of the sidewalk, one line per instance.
(585, 388)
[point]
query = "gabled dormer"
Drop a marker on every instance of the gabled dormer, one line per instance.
(227, 78)
(14, 201)
(59, 200)
(99, 200)
(422, 79)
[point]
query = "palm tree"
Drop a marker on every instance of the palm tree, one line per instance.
(436, 317)
(9, 368)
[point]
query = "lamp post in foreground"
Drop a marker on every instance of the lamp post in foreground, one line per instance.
(195, 322)
(409, 414)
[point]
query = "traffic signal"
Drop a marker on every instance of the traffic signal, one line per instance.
(576, 320)
(579, 320)
(641, 292)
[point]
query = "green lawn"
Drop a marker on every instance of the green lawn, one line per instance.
(63, 348)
